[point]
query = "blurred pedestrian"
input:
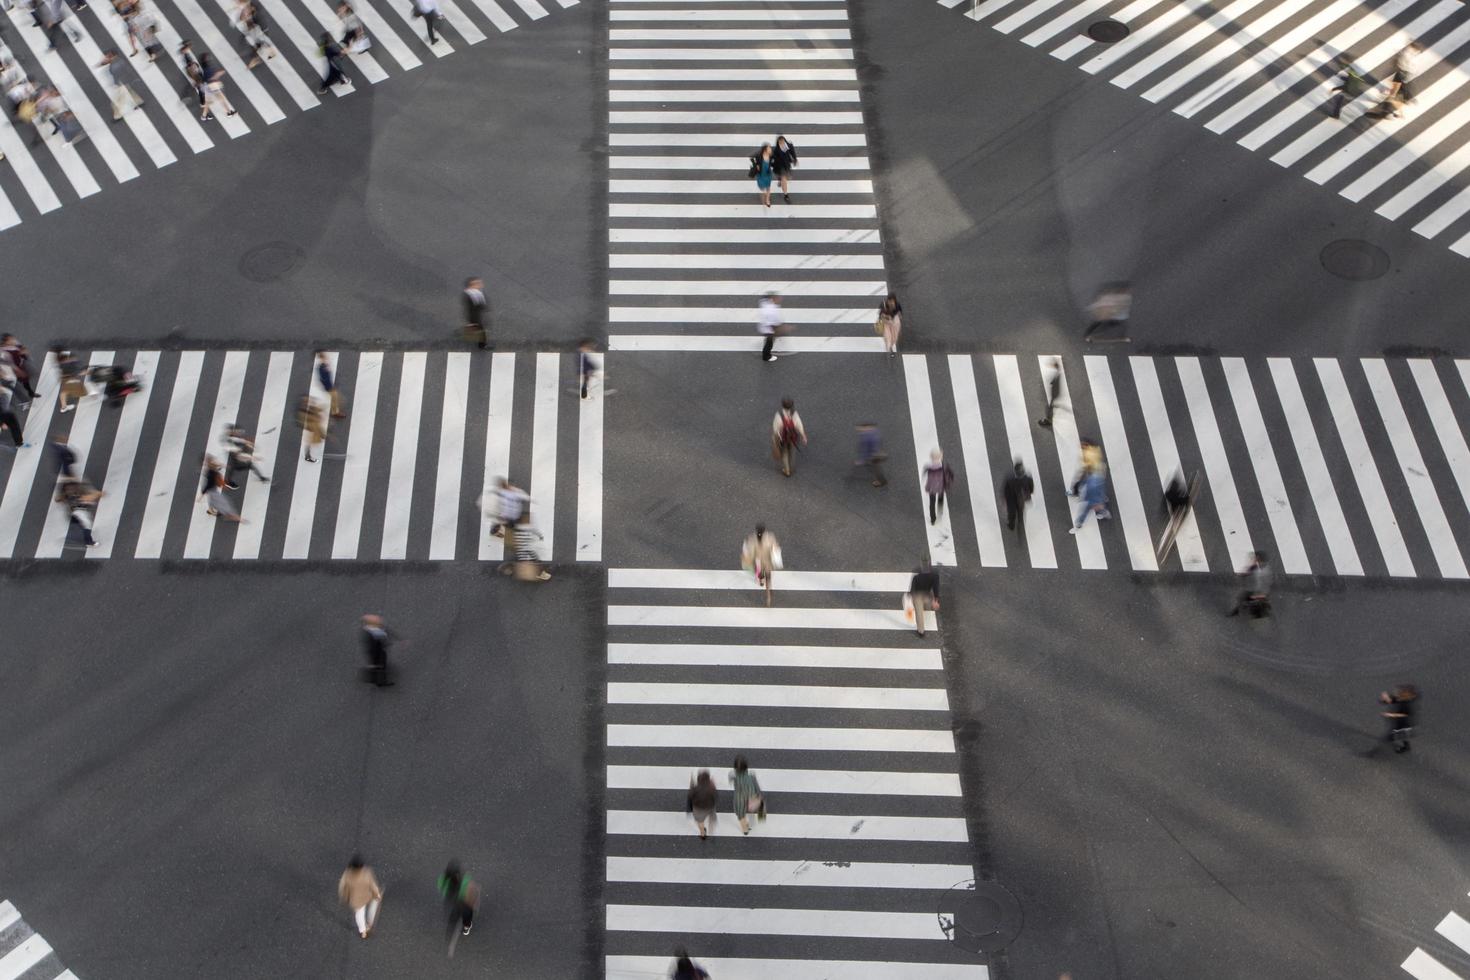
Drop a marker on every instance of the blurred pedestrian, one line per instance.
(20, 362)
(761, 554)
(254, 32)
(1111, 308)
(507, 504)
(702, 801)
(938, 478)
(1017, 491)
(241, 449)
(748, 796)
(1256, 597)
(787, 434)
(1178, 502)
(1350, 85)
(475, 306)
(890, 323)
(331, 52)
(1094, 493)
(375, 642)
(329, 384)
(359, 890)
(429, 11)
(923, 593)
(686, 969)
(212, 488)
(214, 87)
(589, 365)
(1398, 714)
(80, 500)
(783, 161)
(461, 895)
(312, 419)
(763, 169)
(770, 324)
(354, 34)
(7, 416)
(123, 96)
(65, 457)
(870, 452)
(73, 379)
(1051, 380)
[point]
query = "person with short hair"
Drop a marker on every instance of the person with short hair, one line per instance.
(359, 890)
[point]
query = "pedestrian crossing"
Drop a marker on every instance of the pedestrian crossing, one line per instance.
(693, 90)
(857, 871)
(424, 434)
(24, 953)
(42, 171)
(1262, 75)
(1334, 467)
(1454, 929)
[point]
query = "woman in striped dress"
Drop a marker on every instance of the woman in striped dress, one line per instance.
(748, 798)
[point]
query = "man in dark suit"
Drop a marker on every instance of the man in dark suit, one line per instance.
(474, 311)
(375, 645)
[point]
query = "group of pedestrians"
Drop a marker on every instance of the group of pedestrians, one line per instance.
(359, 890)
(703, 800)
(771, 324)
(773, 163)
(1393, 98)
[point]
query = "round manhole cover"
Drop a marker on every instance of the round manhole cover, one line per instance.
(271, 261)
(1107, 31)
(1353, 258)
(980, 916)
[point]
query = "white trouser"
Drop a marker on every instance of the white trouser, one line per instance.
(366, 915)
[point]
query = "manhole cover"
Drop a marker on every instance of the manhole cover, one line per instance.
(1107, 31)
(980, 916)
(1353, 258)
(271, 261)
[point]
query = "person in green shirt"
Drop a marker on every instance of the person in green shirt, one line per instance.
(1350, 85)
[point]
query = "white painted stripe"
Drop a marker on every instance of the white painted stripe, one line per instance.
(758, 617)
(25, 462)
(1025, 15)
(123, 457)
(503, 21)
(1129, 501)
(543, 450)
(742, 96)
(1456, 930)
(451, 457)
(979, 11)
(683, 920)
(1070, 17)
(731, 15)
(302, 516)
(405, 456)
(750, 738)
(9, 915)
(746, 75)
(304, 96)
(73, 94)
(384, 35)
(794, 35)
(200, 538)
(734, 161)
(1461, 246)
(170, 456)
(234, 126)
(283, 17)
(267, 435)
(743, 141)
(794, 236)
(1143, 34)
(138, 122)
(19, 959)
(782, 873)
(1416, 475)
(1360, 459)
(1217, 464)
(1018, 436)
(224, 53)
(730, 54)
(1422, 966)
(785, 655)
(497, 444)
(1069, 451)
(1447, 213)
(567, 3)
(646, 967)
(1290, 551)
(797, 212)
(785, 345)
(533, 9)
(844, 781)
(589, 470)
(18, 155)
(462, 25)
(165, 96)
(1412, 152)
(1080, 42)
(1229, 15)
(327, 19)
(926, 438)
(740, 314)
(734, 117)
(732, 186)
(672, 823)
(1314, 467)
(779, 696)
(441, 47)
(746, 287)
(722, 3)
(1437, 406)
(1187, 544)
(347, 536)
(976, 460)
(746, 262)
(730, 578)
(83, 428)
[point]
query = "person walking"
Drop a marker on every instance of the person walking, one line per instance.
(589, 365)
(938, 478)
(1398, 715)
(213, 91)
(1017, 491)
(329, 384)
(890, 323)
(73, 379)
(1350, 85)
(770, 324)
(1092, 488)
(429, 11)
(924, 593)
(332, 52)
(870, 452)
(748, 796)
(254, 32)
(508, 504)
(1111, 308)
(312, 419)
(1177, 503)
(1401, 86)
(354, 34)
(359, 890)
(80, 500)
(241, 450)
(123, 95)
(787, 433)
(762, 168)
(375, 643)
(20, 361)
(702, 801)
(65, 457)
(761, 554)
(461, 895)
(783, 161)
(686, 969)
(475, 306)
(1051, 380)
(7, 414)
(1256, 597)
(212, 488)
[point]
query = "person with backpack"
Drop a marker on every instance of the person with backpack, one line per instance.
(787, 433)
(762, 168)
(783, 161)
(938, 478)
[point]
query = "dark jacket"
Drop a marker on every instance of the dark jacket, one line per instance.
(1018, 489)
(783, 160)
(925, 583)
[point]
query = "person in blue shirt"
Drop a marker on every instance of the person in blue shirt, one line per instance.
(870, 452)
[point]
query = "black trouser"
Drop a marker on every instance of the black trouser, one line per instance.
(87, 538)
(378, 672)
(237, 464)
(875, 467)
(8, 419)
(25, 382)
(429, 18)
(770, 343)
(1013, 515)
(334, 74)
(935, 498)
(1092, 328)
(461, 916)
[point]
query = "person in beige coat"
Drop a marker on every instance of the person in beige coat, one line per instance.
(359, 891)
(761, 554)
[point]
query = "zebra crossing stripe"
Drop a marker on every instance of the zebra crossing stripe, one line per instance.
(141, 126)
(170, 458)
(727, 968)
(440, 48)
(779, 696)
(83, 428)
(926, 437)
(123, 458)
(756, 655)
(23, 466)
(589, 472)
(1131, 512)
(1069, 453)
(443, 536)
(1230, 14)
(741, 211)
(284, 17)
(750, 344)
(300, 519)
(226, 409)
(1421, 966)
(1166, 456)
(327, 20)
(1456, 930)
(1018, 435)
(1289, 548)
(796, 236)
(533, 9)
(750, 737)
(731, 54)
(234, 126)
(736, 261)
(798, 826)
(768, 618)
(731, 578)
(543, 449)
(687, 920)
(23, 957)
(788, 34)
(305, 98)
(977, 460)
(821, 781)
(749, 287)
(740, 140)
(267, 435)
(224, 53)
(1441, 416)
(731, 16)
(382, 34)
(1217, 464)
(497, 15)
(63, 153)
(462, 25)
(1143, 33)
(497, 444)
(775, 76)
(709, 117)
(404, 463)
(347, 535)
(781, 873)
(164, 95)
(18, 155)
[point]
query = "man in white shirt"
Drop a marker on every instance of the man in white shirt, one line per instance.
(770, 323)
(429, 11)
